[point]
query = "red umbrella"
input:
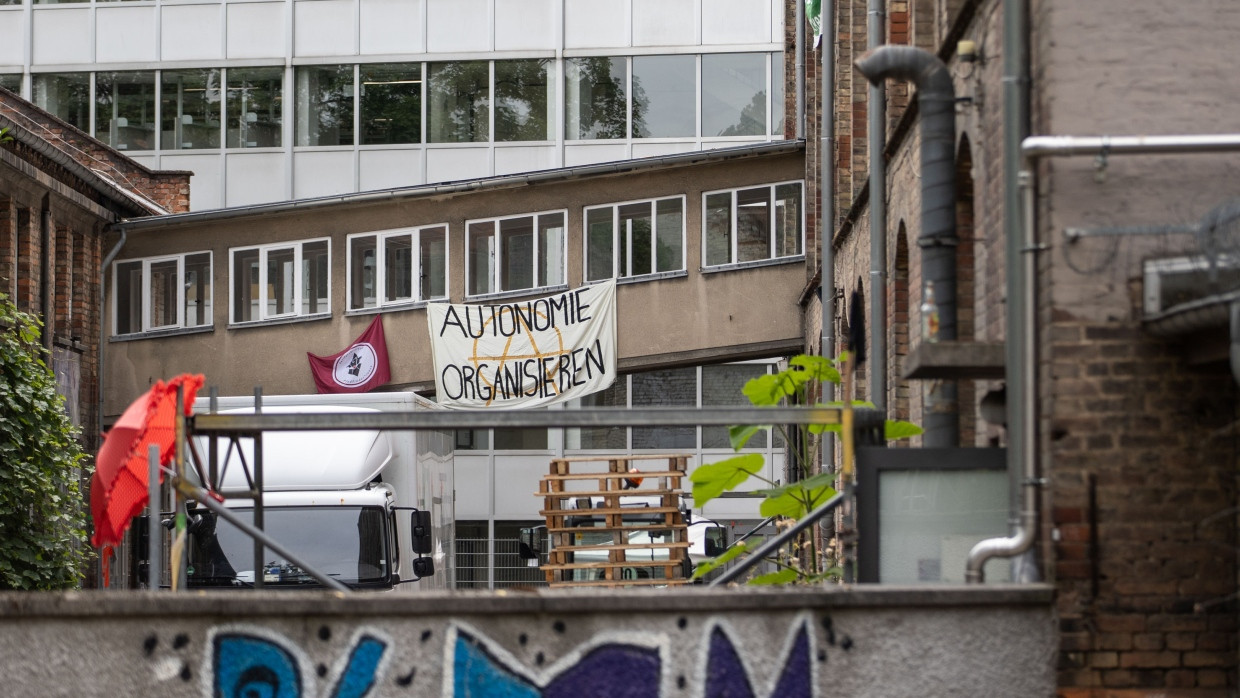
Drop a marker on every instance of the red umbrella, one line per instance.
(119, 486)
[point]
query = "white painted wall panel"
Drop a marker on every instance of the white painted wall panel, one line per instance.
(384, 169)
(206, 190)
(473, 486)
(666, 23)
(590, 154)
(458, 25)
(192, 32)
(709, 144)
(736, 22)
(525, 158)
(391, 26)
(61, 35)
(447, 164)
(594, 24)
(256, 30)
(643, 149)
(324, 28)
(525, 24)
(254, 178)
(125, 34)
(12, 38)
(322, 174)
(777, 22)
(516, 481)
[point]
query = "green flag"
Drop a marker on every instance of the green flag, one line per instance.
(813, 13)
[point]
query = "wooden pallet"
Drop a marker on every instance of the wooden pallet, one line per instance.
(621, 506)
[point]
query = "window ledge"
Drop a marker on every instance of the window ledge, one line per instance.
(658, 276)
(505, 295)
(280, 321)
(154, 334)
(798, 259)
(393, 307)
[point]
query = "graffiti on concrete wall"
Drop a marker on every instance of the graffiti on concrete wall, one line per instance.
(251, 661)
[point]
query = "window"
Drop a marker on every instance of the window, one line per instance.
(254, 108)
(324, 105)
(753, 224)
(634, 239)
(391, 103)
(460, 102)
(11, 81)
(162, 293)
(514, 254)
(280, 281)
(125, 110)
(523, 100)
(596, 100)
(66, 95)
(664, 96)
(734, 94)
(400, 266)
(189, 109)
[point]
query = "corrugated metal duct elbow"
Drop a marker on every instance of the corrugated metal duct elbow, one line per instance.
(936, 103)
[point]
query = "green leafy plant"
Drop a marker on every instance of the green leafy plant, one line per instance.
(42, 518)
(801, 561)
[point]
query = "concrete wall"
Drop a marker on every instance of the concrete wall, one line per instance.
(786, 643)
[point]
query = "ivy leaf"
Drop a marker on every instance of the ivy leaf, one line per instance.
(794, 500)
(707, 566)
(819, 369)
(784, 576)
(711, 480)
(900, 429)
(739, 436)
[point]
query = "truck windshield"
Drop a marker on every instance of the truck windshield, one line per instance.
(347, 543)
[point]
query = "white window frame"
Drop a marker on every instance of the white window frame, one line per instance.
(732, 253)
(381, 236)
(496, 262)
(616, 239)
(144, 319)
(262, 300)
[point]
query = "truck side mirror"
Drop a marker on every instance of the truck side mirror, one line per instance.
(716, 541)
(529, 545)
(420, 525)
(424, 566)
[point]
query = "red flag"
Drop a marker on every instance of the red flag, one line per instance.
(360, 368)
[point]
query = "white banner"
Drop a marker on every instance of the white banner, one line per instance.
(528, 353)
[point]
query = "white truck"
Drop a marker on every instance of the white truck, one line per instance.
(371, 509)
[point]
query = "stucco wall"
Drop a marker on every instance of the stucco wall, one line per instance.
(948, 641)
(694, 316)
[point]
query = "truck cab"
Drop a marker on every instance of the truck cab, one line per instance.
(371, 509)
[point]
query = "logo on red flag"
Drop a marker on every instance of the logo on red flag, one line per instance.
(358, 369)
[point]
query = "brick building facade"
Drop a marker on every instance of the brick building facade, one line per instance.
(59, 190)
(1136, 437)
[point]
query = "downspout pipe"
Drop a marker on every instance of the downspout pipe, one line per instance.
(1018, 201)
(876, 20)
(936, 102)
(46, 310)
(800, 69)
(826, 191)
(103, 330)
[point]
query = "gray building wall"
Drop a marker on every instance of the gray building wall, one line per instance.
(693, 642)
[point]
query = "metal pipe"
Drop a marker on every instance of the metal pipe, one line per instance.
(876, 20)
(773, 544)
(800, 68)
(154, 531)
(936, 101)
(47, 312)
(1036, 147)
(103, 332)
(1020, 454)
(826, 191)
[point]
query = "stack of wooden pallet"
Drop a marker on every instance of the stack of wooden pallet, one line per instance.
(618, 526)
